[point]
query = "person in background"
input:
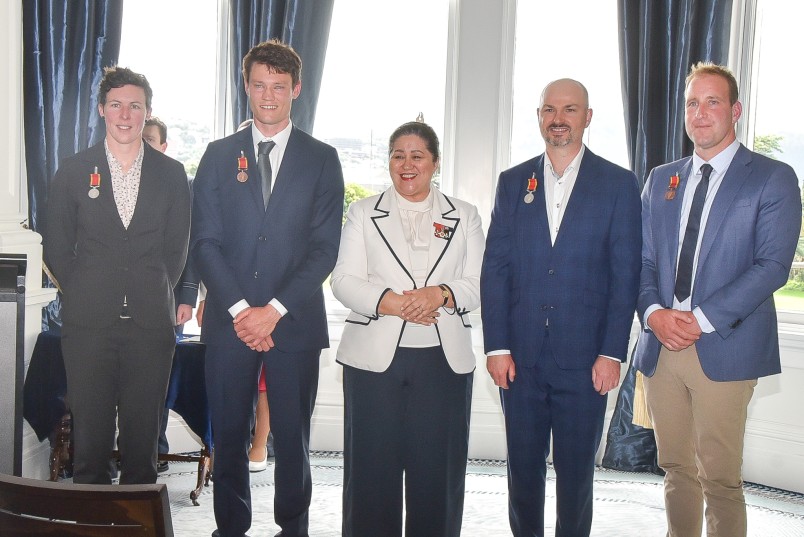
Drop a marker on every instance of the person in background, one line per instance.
(719, 234)
(559, 288)
(266, 227)
(409, 269)
(185, 293)
(118, 220)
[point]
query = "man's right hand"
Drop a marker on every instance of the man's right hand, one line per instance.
(675, 329)
(502, 369)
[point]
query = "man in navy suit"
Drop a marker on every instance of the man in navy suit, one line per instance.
(265, 236)
(558, 288)
(719, 234)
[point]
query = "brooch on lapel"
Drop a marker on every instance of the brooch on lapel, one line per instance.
(441, 231)
(671, 188)
(242, 168)
(532, 184)
(94, 183)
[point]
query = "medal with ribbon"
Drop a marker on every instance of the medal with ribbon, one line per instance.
(671, 188)
(441, 231)
(94, 183)
(242, 168)
(532, 184)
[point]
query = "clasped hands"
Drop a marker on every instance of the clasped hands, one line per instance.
(254, 326)
(675, 329)
(418, 306)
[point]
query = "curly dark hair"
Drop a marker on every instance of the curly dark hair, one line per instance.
(117, 77)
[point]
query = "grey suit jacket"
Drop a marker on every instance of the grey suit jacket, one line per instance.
(97, 261)
(746, 253)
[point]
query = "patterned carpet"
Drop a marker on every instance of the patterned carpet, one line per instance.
(626, 504)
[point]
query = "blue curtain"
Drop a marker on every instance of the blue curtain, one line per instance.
(66, 45)
(659, 42)
(302, 24)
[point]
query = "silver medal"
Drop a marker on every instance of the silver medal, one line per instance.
(93, 193)
(529, 197)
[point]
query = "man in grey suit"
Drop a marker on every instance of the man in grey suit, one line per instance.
(719, 233)
(266, 228)
(118, 220)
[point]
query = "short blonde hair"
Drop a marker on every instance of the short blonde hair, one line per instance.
(709, 68)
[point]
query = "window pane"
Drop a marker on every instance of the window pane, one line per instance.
(779, 127)
(179, 66)
(582, 44)
(386, 63)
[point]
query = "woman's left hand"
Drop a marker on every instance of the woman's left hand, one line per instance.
(422, 304)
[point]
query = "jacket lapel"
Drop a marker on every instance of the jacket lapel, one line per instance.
(389, 225)
(736, 176)
(445, 226)
(105, 200)
(281, 190)
(671, 218)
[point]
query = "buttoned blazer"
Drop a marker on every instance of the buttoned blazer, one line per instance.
(374, 257)
(585, 285)
(746, 253)
(243, 251)
(97, 261)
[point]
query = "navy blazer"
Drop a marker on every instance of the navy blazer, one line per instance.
(97, 261)
(585, 285)
(243, 251)
(746, 253)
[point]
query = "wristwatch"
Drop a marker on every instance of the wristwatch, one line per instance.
(445, 293)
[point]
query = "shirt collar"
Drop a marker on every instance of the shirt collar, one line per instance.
(719, 162)
(280, 138)
(573, 165)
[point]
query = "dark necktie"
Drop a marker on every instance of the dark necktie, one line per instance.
(264, 165)
(687, 257)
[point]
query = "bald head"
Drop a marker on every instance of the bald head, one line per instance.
(564, 114)
(566, 86)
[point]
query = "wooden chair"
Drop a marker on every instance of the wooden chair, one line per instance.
(34, 507)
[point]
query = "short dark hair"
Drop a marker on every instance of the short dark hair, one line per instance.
(275, 55)
(159, 124)
(420, 129)
(709, 68)
(117, 77)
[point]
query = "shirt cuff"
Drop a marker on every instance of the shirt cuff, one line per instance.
(651, 309)
(611, 358)
(498, 352)
(703, 322)
(278, 307)
(239, 306)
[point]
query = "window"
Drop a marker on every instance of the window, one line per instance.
(168, 55)
(777, 118)
(385, 64)
(583, 45)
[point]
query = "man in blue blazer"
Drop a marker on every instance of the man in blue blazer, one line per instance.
(265, 236)
(558, 289)
(719, 234)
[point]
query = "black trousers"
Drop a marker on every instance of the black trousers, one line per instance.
(118, 373)
(409, 421)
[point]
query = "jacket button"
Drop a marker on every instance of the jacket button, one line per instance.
(256, 274)
(551, 272)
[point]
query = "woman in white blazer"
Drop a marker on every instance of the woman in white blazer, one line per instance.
(409, 269)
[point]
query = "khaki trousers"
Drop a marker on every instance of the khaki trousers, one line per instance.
(700, 430)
